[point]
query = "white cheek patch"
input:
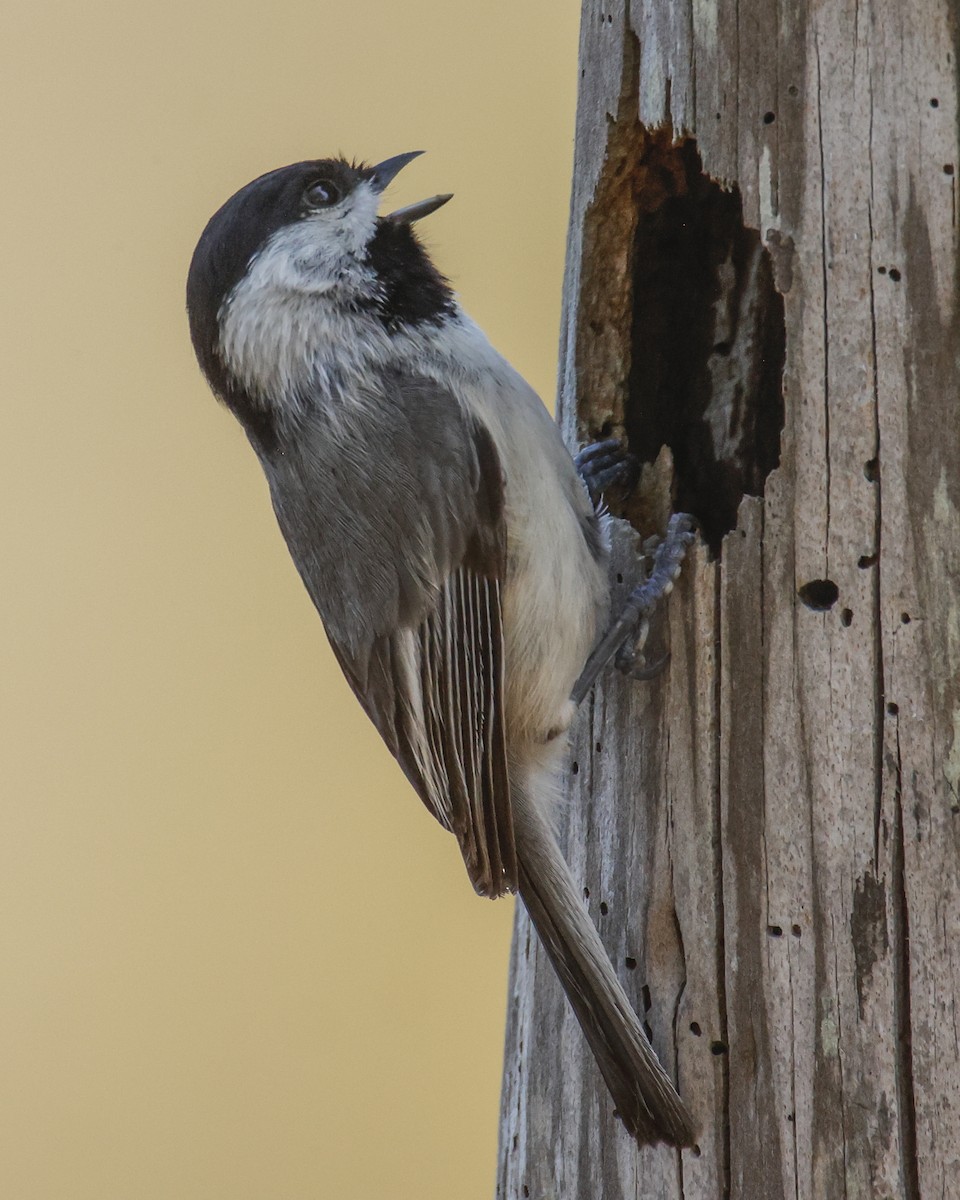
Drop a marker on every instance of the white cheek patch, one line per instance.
(359, 219)
(318, 252)
(293, 334)
(277, 321)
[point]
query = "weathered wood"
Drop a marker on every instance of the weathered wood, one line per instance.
(769, 834)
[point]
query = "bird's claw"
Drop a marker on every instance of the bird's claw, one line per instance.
(624, 640)
(607, 464)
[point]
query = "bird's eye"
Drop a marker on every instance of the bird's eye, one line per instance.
(321, 194)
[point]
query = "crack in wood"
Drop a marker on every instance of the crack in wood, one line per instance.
(824, 269)
(902, 996)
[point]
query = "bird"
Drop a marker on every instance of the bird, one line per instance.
(443, 532)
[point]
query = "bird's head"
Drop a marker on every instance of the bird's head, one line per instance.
(311, 231)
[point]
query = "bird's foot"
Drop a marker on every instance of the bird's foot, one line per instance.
(607, 464)
(624, 640)
(668, 556)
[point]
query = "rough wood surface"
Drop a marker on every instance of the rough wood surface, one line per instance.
(769, 835)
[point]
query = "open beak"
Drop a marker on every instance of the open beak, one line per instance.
(422, 208)
(384, 173)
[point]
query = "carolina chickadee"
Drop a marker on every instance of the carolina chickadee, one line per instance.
(442, 531)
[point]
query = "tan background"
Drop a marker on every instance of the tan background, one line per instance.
(237, 959)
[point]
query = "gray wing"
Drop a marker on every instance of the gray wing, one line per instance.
(393, 513)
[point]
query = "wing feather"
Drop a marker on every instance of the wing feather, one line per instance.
(415, 614)
(457, 738)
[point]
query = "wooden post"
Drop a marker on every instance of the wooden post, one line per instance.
(761, 294)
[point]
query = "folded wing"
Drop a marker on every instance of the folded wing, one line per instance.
(406, 566)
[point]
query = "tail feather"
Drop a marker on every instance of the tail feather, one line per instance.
(646, 1099)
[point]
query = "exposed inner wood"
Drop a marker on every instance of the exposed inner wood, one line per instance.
(681, 332)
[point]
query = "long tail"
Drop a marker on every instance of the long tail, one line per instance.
(646, 1100)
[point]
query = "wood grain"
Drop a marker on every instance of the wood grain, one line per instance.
(769, 834)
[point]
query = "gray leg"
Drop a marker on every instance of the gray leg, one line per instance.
(635, 616)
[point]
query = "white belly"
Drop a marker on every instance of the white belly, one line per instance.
(556, 593)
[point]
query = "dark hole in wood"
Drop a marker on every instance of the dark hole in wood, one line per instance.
(793, 89)
(871, 470)
(603, 908)
(893, 709)
(630, 963)
(648, 1030)
(526, 1190)
(707, 339)
(598, 747)
(796, 930)
(695, 1151)
(775, 930)
(647, 1002)
(718, 1048)
(586, 893)
(575, 768)
(905, 618)
(948, 168)
(934, 102)
(846, 618)
(895, 275)
(819, 594)
(867, 560)
(769, 118)
(881, 270)
(695, 1029)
